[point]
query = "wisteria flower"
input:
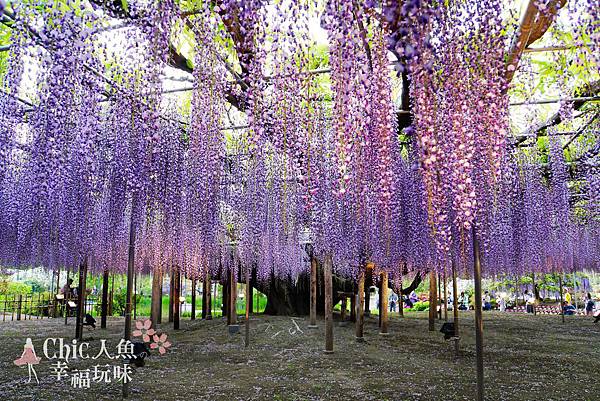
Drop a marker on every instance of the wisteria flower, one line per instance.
(144, 329)
(161, 343)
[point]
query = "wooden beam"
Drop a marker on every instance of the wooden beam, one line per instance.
(532, 26)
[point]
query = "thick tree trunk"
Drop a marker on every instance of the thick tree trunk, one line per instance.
(286, 296)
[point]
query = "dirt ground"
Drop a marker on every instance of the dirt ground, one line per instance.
(526, 358)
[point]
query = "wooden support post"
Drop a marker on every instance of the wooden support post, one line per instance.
(367, 290)
(19, 307)
(81, 289)
(562, 309)
(344, 304)
(478, 314)
(66, 301)
(176, 296)
(534, 294)
(353, 308)
(400, 298)
(193, 317)
(58, 280)
(327, 271)
(209, 297)
(55, 301)
(104, 311)
(110, 296)
(251, 299)
(225, 298)
(379, 303)
(313, 293)
(432, 300)
(455, 310)
(155, 307)
(360, 303)
(130, 274)
(135, 298)
(205, 295)
(171, 294)
(383, 329)
(445, 297)
(439, 296)
(233, 298)
(248, 308)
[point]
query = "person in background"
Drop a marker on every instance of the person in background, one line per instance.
(393, 301)
(568, 297)
(487, 301)
(568, 309)
(529, 302)
(589, 305)
(66, 290)
(463, 301)
(502, 304)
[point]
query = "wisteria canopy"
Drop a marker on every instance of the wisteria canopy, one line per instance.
(259, 132)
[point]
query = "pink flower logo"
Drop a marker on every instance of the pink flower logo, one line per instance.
(144, 329)
(161, 343)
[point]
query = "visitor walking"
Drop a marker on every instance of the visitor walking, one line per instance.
(589, 305)
(529, 302)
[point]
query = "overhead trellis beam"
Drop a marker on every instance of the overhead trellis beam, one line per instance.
(548, 49)
(532, 26)
(557, 100)
(590, 90)
(581, 130)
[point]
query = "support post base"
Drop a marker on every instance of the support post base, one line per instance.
(360, 339)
